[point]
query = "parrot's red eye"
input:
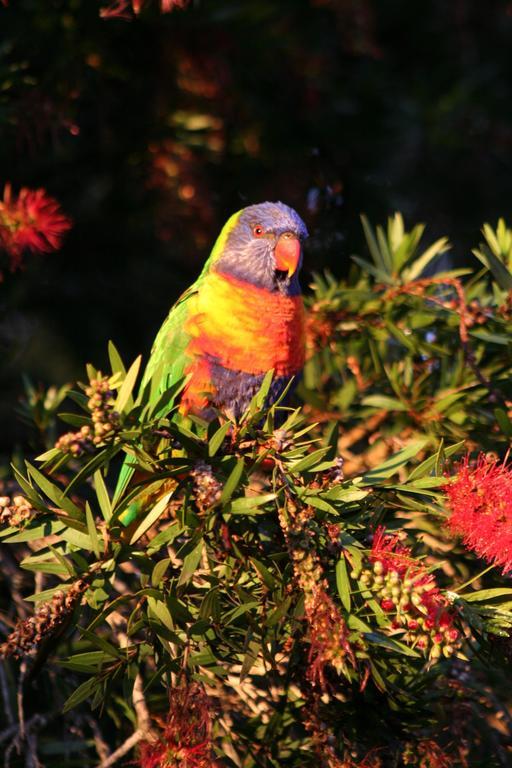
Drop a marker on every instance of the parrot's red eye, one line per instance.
(258, 231)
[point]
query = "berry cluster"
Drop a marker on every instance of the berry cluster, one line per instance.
(49, 617)
(15, 511)
(207, 489)
(408, 593)
(105, 420)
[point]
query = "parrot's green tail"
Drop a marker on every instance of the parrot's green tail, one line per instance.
(131, 512)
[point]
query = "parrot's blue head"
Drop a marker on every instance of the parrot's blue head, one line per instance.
(262, 245)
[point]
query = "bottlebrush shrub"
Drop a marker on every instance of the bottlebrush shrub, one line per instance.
(290, 593)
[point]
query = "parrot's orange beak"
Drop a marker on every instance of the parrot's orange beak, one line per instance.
(287, 253)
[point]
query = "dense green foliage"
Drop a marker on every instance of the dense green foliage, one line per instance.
(255, 570)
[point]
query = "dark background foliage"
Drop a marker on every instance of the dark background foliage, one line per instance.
(151, 132)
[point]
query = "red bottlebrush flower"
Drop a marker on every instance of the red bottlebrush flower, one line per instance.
(479, 499)
(120, 9)
(185, 740)
(32, 222)
(169, 5)
(431, 755)
(124, 9)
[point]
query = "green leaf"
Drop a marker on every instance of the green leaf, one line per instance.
(343, 583)
(247, 505)
(309, 461)
(250, 657)
(390, 644)
(190, 563)
(167, 399)
(102, 495)
(48, 455)
(116, 362)
(346, 493)
(385, 402)
(414, 271)
(218, 438)
(261, 395)
(161, 612)
(151, 518)
(166, 536)
(159, 571)
(278, 613)
(264, 574)
(429, 465)
(91, 527)
(232, 482)
(63, 561)
(491, 338)
(487, 594)
(46, 594)
(379, 274)
(240, 610)
(389, 467)
(37, 532)
(83, 692)
(372, 245)
(77, 538)
(102, 644)
(102, 457)
(88, 662)
(504, 422)
(499, 271)
(74, 419)
(124, 398)
(45, 566)
(54, 493)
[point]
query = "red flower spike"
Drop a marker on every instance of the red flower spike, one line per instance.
(480, 503)
(431, 755)
(185, 740)
(32, 222)
(166, 6)
(329, 639)
(119, 9)
(126, 9)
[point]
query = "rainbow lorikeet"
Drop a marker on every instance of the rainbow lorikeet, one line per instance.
(242, 317)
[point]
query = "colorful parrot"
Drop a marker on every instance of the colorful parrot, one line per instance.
(242, 317)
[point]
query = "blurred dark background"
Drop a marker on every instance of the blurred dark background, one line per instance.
(151, 132)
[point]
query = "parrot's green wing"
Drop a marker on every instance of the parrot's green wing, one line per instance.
(166, 365)
(165, 368)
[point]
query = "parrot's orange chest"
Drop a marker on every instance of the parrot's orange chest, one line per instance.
(246, 328)
(242, 328)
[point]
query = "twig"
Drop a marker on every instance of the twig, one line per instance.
(8, 732)
(31, 759)
(101, 746)
(19, 698)
(5, 695)
(121, 751)
(144, 727)
(140, 706)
